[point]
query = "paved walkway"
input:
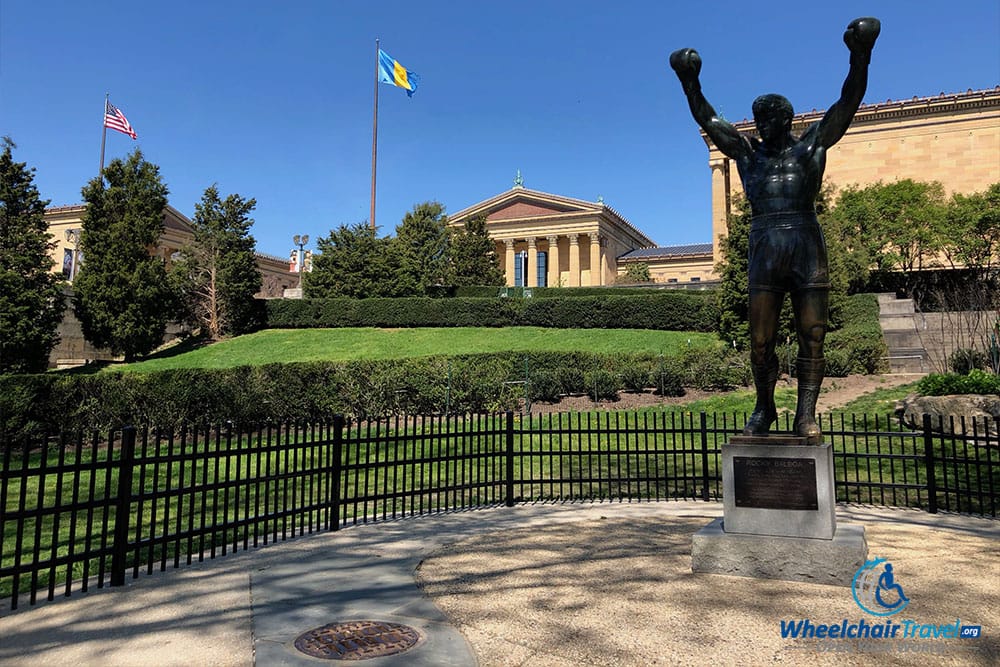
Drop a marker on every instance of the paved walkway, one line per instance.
(248, 608)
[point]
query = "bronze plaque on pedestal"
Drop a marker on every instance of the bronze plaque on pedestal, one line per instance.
(775, 483)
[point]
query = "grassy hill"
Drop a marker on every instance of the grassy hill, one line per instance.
(288, 345)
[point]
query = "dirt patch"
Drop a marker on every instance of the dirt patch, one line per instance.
(835, 393)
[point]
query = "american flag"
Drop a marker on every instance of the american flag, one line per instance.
(115, 119)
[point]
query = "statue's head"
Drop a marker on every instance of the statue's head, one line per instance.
(773, 116)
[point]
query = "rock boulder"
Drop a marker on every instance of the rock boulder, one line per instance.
(947, 412)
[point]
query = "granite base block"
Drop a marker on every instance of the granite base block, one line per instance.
(831, 562)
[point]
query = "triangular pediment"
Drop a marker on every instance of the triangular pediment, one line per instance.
(521, 203)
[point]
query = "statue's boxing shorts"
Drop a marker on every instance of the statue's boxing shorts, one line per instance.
(787, 253)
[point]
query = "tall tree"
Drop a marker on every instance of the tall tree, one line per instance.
(973, 230)
(474, 258)
(422, 245)
(217, 274)
(31, 301)
(123, 299)
(901, 224)
(734, 284)
(351, 262)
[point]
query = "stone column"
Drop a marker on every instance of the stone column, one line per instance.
(553, 261)
(596, 279)
(532, 260)
(608, 275)
(509, 261)
(720, 204)
(574, 260)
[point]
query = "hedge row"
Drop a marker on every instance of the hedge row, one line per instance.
(314, 390)
(858, 346)
(669, 311)
(975, 382)
(489, 292)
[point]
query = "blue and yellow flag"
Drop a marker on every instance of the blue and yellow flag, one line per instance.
(390, 71)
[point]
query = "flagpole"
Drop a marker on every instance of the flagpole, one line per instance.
(371, 215)
(104, 133)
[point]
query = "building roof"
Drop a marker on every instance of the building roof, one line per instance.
(172, 218)
(557, 203)
(668, 252)
(970, 100)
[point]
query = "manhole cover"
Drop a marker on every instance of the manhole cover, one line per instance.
(357, 640)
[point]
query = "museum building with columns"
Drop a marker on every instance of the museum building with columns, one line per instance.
(547, 240)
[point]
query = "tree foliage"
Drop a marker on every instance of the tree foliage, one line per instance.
(733, 270)
(635, 273)
(123, 298)
(423, 248)
(353, 262)
(973, 230)
(901, 225)
(217, 274)
(31, 301)
(474, 258)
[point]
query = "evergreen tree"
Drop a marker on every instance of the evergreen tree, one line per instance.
(31, 301)
(733, 294)
(351, 262)
(423, 246)
(474, 258)
(123, 299)
(217, 275)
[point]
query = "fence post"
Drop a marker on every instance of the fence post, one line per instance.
(929, 465)
(704, 456)
(338, 466)
(123, 506)
(509, 459)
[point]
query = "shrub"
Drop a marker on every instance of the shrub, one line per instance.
(838, 363)
(943, 384)
(602, 384)
(709, 370)
(572, 380)
(636, 378)
(860, 339)
(669, 380)
(544, 386)
(964, 360)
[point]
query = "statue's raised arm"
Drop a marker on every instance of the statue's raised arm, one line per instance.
(687, 65)
(860, 39)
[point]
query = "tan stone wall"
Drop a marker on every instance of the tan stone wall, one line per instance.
(954, 139)
(680, 270)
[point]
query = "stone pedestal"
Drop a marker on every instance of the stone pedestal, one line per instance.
(832, 562)
(778, 489)
(779, 516)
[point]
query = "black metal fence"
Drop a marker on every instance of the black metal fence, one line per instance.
(86, 509)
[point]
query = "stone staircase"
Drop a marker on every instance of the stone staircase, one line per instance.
(899, 328)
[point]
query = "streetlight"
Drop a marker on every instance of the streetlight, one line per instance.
(301, 242)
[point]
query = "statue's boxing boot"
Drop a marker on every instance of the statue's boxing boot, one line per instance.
(765, 377)
(810, 377)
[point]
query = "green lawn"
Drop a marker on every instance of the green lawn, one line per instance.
(290, 345)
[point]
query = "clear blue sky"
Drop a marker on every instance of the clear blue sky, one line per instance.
(273, 100)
